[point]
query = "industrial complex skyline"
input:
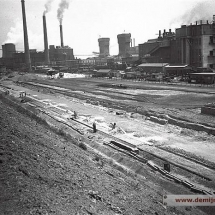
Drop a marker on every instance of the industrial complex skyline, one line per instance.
(85, 21)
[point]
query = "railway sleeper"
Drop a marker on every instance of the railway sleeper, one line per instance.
(187, 184)
(196, 189)
(208, 192)
(125, 147)
(163, 172)
(152, 165)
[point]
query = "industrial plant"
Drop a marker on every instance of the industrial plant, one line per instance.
(30, 58)
(190, 49)
(125, 133)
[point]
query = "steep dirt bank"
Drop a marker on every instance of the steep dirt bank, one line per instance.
(43, 173)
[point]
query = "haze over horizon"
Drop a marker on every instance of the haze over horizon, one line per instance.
(84, 21)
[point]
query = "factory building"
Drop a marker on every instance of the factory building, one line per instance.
(31, 57)
(12, 59)
(191, 45)
(50, 56)
(60, 54)
(195, 44)
(104, 47)
(157, 50)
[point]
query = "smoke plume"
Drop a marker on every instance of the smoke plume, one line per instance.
(200, 11)
(15, 34)
(48, 6)
(64, 4)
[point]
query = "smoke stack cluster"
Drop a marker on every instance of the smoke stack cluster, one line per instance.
(27, 53)
(46, 49)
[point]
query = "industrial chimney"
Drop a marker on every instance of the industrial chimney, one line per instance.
(46, 49)
(27, 53)
(61, 34)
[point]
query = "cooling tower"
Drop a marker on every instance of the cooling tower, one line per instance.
(27, 53)
(46, 47)
(7, 50)
(124, 43)
(104, 46)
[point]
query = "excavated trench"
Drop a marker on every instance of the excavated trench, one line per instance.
(119, 160)
(133, 109)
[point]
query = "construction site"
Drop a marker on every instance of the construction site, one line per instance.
(79, 143)
(139, 129)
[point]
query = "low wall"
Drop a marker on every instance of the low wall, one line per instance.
(164, 119)
(208, 110)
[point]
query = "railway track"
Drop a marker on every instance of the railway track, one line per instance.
(129, 149)
(66, 91)
(138, 153)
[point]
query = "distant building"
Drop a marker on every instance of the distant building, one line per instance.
(195, 44)
(191, 45)
(157, 50)
(60, 54)
(134, 50)
(12, 59)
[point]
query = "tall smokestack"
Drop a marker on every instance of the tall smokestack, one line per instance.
(27, 53)
(46, 49)
(159, 33)
(61, 34)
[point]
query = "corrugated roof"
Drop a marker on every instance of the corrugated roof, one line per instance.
(131, 73)
(203, 73)
(176, 66)
(104, 70)
(153, 64)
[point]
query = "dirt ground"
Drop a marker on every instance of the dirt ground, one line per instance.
(95, 98)
(44, 173)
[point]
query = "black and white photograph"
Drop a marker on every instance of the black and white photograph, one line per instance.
(107, 107)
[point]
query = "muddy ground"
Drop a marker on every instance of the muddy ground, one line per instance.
(45, 173)
(42, 174)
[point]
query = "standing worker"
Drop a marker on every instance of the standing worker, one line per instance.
(94, 127)
(75, 115)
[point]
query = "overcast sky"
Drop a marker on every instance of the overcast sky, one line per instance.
(84, 21)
